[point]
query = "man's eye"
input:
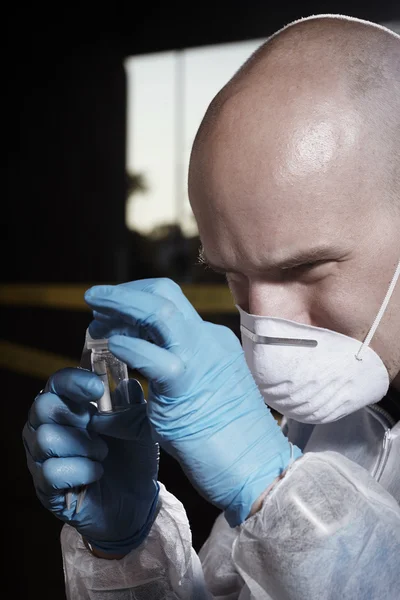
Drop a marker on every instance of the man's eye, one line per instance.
(314, 271)
(309, 265)
(306, 270)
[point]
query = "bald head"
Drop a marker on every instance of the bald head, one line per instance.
(319, 93)
(294, 178)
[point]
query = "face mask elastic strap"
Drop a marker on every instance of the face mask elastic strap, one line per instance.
(380, 314)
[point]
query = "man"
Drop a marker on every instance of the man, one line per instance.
(294, 181)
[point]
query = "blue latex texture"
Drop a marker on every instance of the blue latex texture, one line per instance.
(203, 403)
(69, 445)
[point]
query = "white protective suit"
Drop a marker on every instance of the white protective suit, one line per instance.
(330, 529)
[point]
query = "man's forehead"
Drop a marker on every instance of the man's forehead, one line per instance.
(273, 166)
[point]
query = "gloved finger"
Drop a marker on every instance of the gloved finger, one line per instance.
(107, 320)
(156, 364)
(131, 388)
(153, 315)
(56, 441)
(78, 385)
(64, 473)
(131, 424)
(112, 326)
(102, 317)
(49, 408)
(161, 286)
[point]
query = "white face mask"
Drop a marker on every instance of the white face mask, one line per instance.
(310, 374)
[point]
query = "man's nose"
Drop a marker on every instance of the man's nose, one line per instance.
(281, 300)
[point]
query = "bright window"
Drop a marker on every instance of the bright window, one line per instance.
(168, 94)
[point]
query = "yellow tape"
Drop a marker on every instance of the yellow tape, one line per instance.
(38, 363)
(30, 361)
(47, 296)
(41, 364)
(208, 298)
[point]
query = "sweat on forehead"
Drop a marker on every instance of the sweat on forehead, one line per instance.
(317, 106)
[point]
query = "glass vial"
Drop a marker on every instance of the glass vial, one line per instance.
(114, 375)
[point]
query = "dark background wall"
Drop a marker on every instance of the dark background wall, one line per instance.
(63, 205)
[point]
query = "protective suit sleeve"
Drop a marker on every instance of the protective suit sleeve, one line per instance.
(164, 567)
(327, 530)
(220, 573)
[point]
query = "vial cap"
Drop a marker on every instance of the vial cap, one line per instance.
(95, 344)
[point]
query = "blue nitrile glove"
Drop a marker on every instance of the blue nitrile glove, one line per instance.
(69, 445)
(203, 403)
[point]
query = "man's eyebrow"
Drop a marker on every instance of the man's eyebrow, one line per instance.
(299, 258)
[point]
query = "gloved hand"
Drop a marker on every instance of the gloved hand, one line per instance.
(68, 445)
(203, 403)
